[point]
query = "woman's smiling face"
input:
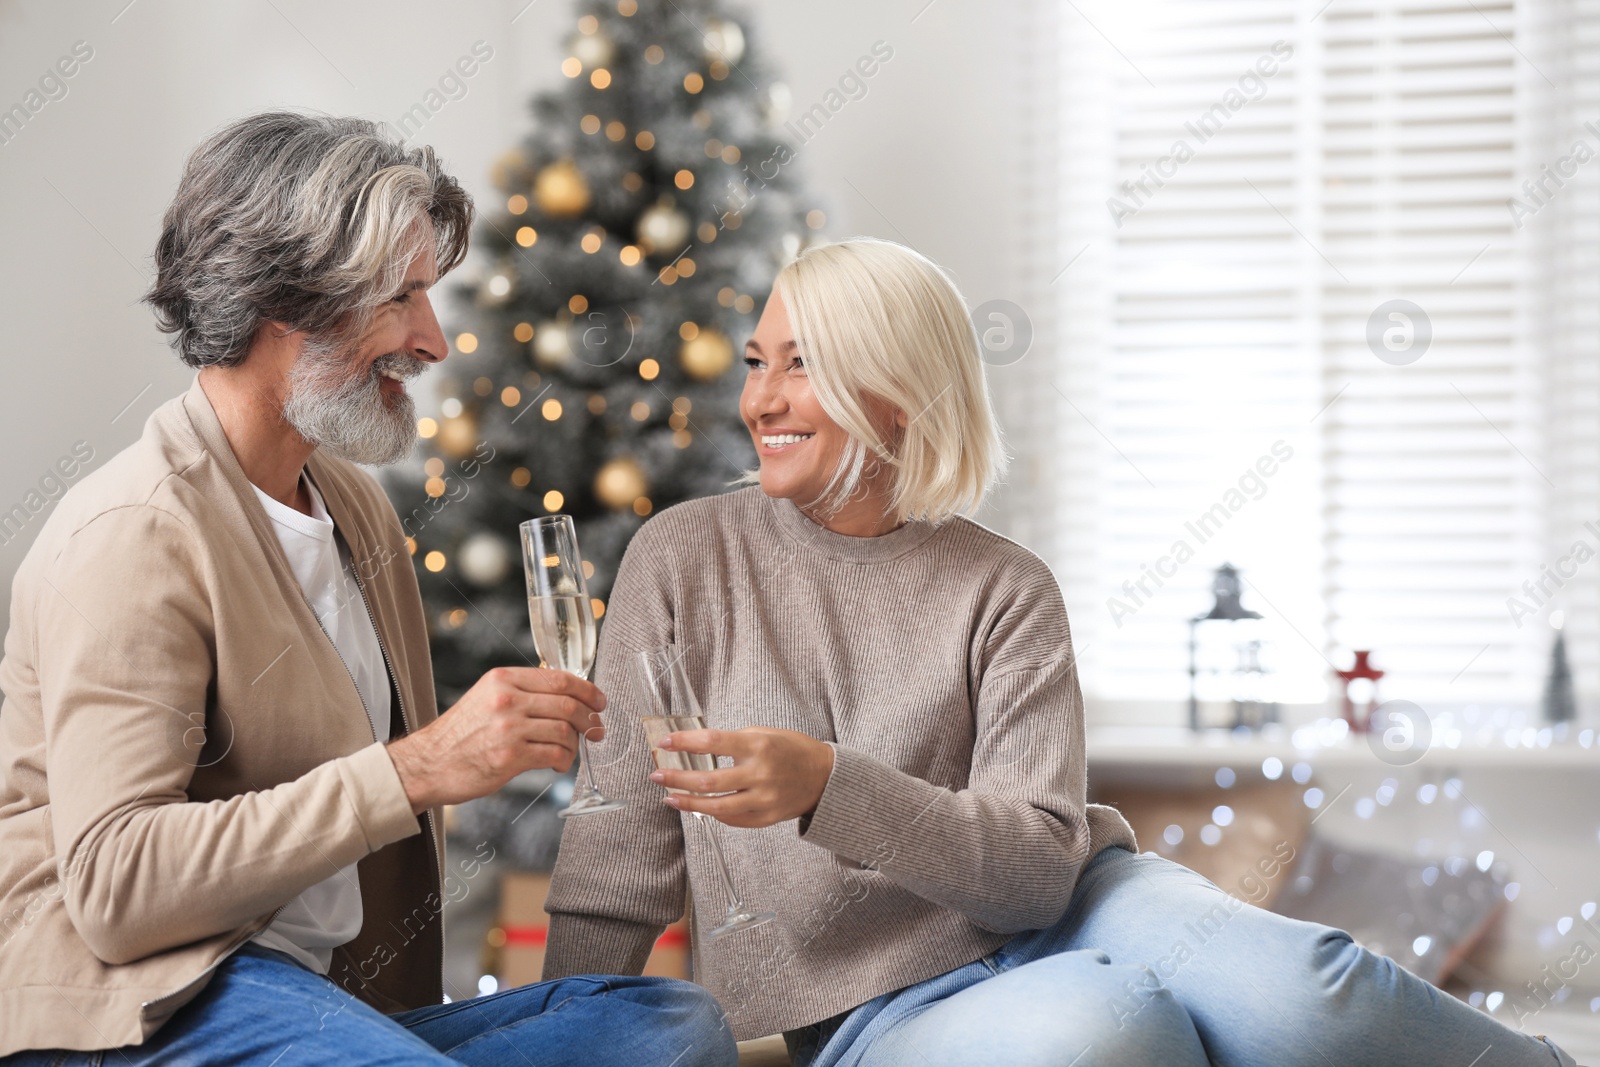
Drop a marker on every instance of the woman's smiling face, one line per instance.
(798, 444)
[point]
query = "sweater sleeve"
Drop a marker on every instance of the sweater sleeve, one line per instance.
(620, 878)
(1006, 849)
(124, 662)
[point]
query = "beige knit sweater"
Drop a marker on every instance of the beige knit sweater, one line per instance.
(937, 662)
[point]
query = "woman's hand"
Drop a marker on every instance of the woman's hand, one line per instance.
(776, 774)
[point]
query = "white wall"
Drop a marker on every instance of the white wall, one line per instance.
(928, 156)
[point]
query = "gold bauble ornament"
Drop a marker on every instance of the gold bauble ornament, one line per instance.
(620, 482)
(457, 436)
(663, 228)
(511, 172)
(707, 354)
(552, 344)
(561, 189)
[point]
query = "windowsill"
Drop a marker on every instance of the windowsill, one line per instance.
(1126, 753)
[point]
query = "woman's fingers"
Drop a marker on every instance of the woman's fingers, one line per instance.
(709, 742)
(735, 809)
(777, 774)
(725, 780)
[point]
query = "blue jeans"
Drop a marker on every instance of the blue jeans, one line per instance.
(1152, 964)
(263, 1008)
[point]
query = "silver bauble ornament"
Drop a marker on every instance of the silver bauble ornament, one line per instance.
(484, 559)
(723, 40)
(663, 228)
(497, 287)
(552, 344)
(775, 104)
(591, 49)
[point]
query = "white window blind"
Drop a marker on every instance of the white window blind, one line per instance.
(1560, 255)
(1241, 185)
(1433, 491)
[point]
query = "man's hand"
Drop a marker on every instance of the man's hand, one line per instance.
(513, 720)
(776, 774)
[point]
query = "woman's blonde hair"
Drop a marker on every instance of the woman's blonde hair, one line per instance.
(873, 318)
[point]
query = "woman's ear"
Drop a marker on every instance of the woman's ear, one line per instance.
(900, 418)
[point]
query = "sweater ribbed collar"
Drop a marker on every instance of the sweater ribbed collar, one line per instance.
(814, 537)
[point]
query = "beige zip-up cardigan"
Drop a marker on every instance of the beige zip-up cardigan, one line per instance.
(182, 750)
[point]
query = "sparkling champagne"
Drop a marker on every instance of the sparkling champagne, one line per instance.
(563, 632)
(666, 689)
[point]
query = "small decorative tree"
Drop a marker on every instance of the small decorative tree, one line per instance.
(1560, 704)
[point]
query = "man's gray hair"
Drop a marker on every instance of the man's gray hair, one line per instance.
(304, 219)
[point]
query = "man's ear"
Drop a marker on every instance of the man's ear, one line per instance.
(274, 342)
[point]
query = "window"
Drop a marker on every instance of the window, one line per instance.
(1295, 309)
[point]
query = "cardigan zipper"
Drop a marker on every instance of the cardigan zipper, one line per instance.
(405, 726)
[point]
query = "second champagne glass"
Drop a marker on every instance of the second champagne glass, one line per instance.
(670, 706)
(563, 628)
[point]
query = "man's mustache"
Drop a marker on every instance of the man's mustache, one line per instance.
(407, 366)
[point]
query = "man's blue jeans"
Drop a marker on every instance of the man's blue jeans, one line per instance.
(1154, 965)
(262, 1008)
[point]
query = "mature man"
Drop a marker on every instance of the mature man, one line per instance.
(222, 765)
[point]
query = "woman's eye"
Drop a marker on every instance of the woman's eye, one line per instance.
(752, 362)
(402, 298)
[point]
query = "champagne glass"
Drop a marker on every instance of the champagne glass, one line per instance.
(670, 706)
(563, 628)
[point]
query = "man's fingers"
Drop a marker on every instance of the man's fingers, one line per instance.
(538, 680)
(554, 732)
(580, 716)
(556, 757)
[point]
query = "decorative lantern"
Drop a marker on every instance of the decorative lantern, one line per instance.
(1230, 659)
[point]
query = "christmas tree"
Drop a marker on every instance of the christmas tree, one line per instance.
(645, 217)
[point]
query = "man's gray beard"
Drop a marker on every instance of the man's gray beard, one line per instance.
(344, 412)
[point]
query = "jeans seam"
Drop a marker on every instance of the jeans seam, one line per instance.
(457, 1006)
(481, 1035)
(517, 1022)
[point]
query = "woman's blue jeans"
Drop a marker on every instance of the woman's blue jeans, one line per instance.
(262, 1008)
(1154, 965)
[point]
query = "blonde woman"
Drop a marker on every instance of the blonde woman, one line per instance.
(894, 686)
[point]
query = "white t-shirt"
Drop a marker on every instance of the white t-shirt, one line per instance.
(328, 914)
